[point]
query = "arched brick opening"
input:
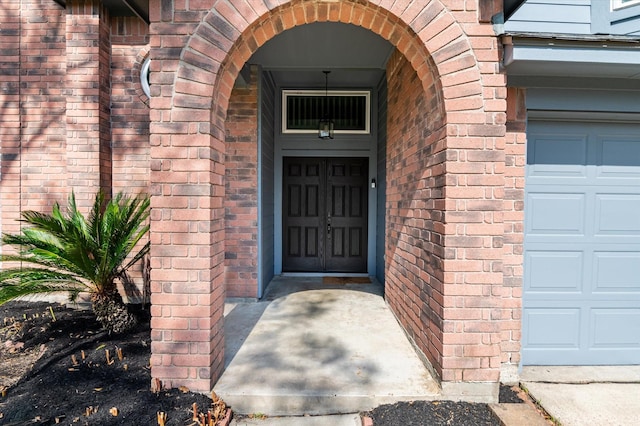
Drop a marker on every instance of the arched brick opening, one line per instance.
(444, 290)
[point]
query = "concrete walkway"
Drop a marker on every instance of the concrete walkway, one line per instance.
(577, 396)
(335, 420)
(312, 348)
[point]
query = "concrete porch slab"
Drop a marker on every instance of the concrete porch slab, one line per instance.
(313, 348)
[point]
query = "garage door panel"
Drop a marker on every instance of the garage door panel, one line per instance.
(615, 328)
(581, 294)
(616, 272)
(554, 328)
(618, 155)
(555, 213)
(617, 214)
(557, 154)
(554, 271)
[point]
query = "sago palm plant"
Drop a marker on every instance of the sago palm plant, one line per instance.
(64, 251)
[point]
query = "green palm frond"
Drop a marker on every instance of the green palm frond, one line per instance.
(64, 251)
(17, 282)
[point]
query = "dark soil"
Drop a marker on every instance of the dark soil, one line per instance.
(442, 413)
(433, 413)
(511, 394)
(46, 379)
(63, 388)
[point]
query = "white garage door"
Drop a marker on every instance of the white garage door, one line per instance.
(582, 244)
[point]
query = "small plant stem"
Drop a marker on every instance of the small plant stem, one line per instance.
(109, 360)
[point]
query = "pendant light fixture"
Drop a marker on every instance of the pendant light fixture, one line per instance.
(325, 128)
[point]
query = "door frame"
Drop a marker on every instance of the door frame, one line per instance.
(371, 208)
(301, 145)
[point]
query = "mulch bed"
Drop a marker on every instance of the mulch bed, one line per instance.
(441, 413)
(73, 383)
(56, 371)
(433, 413)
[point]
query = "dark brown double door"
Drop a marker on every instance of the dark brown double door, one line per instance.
(325, 214)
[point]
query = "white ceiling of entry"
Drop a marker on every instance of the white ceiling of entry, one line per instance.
(296, 58)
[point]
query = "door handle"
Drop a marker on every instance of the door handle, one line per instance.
(328, 228)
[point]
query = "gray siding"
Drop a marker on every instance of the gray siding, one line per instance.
(267, 143)
(621, 21)
(552, 16)
(604, 101)
(583, 17)
(381, 178)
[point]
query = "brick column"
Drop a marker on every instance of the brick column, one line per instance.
(88, 99)
(187, 219)
(515, 150)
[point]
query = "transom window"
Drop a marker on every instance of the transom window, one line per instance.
(302, 110)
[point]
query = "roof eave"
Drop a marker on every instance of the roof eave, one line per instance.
(509, 7)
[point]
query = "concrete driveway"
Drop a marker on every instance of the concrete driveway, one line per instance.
(578, 396)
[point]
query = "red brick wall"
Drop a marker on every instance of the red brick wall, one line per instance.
(241, 190)
(129, 106)
(35, 62)
(129, 119)
(33, 67)
(445, 222)
(10, 131)
(414, 221)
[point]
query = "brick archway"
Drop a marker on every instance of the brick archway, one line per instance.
(456, 63)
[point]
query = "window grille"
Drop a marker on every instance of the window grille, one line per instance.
(303, 110)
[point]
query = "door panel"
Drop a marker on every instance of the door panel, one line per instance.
(347, 196)
(304, 224)
(325, 214)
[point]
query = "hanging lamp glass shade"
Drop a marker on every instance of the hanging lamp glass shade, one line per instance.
(325, 127)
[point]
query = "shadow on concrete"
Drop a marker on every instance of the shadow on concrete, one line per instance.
(311, 348)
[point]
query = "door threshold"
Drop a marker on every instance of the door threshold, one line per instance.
(323, 274)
